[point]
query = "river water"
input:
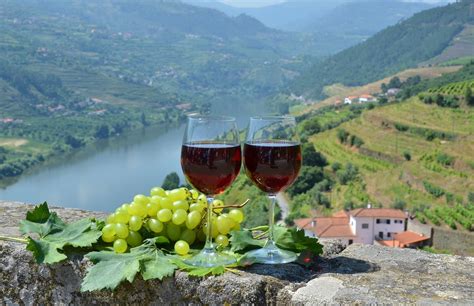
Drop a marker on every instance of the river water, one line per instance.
(109, 173)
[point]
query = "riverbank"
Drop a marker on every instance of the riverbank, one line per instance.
(21, 157)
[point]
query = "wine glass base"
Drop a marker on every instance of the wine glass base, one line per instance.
(210, 258)
(271, 255)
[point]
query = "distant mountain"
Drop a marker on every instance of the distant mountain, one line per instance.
(365, 18)
(404, 45)
(290, 16)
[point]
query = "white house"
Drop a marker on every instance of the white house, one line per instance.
(362, 225)
(366, 98)
(350, 99)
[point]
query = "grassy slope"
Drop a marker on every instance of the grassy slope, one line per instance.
(339, 91)
(392, 177)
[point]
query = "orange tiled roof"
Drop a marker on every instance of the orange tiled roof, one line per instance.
(327, 226)
(378, 212)
(352, 97)
(409, 237)
(340, 214)
(403, 239)
(367, 96)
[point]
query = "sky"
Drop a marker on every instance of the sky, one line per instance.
(260, 3)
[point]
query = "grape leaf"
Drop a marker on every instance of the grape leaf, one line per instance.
(41, 221)
(54, 234)
(158, 267)
(110, 268)
(295, 240)
(198, 271)
(244, 241)
(286, 238)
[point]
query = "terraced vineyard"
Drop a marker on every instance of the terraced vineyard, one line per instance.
(455, 216)
(455, 89)
(407, 147)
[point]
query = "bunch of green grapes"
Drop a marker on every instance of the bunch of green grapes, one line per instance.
(178, 214)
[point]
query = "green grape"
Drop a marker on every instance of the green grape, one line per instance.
(110, 219)
(141, 199)
(108, 230)
(196, 207)
(134, 239)
(121, 230)
(230, 222)
(157, 191)
(155, 225)
(181, 204)
(179, 216)
(217, 204)
(164, 215)
(181, 247)
(237, 215)
(122, 217)
(177, 194)
(173, 231)
(223, 225)
(202, 200)
(236, 227)
(166, 203)
(193, 220)
(136, 209)
(135, 223)
(214, 230)
(125, 207)
(222, 240)
(188, 235)
(120, 246)
(152, 209)
(108, 238)
(194, 194)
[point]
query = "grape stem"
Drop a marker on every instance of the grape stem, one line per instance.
(232, 206)
(13, 239)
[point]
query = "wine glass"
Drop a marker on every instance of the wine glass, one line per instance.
(272, 159)
(211, 159)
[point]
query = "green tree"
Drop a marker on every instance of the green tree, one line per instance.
(311, 157)
(308, 177)
(171, 181)
(102, 132)
(468, 96)
(342, 135)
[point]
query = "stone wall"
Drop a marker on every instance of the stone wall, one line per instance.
(420, 228)
(358, 274)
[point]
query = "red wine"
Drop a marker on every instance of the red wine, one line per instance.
(210, 167)
(272, 166)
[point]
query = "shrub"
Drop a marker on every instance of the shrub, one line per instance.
(342, 135)
(444, 159)
(401, 127)
(407, 155)
(311, 157)
(171, 181)
(347, 174)
(336, 166)
(399, 204)
(433, 190)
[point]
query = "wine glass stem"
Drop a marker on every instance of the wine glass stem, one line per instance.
(209, 244)
(271, 220)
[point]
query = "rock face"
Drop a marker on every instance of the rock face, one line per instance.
(359, 274)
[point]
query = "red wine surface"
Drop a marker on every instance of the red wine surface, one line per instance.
(210, 167)
(272, 166)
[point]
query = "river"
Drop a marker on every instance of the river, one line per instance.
(109, 173)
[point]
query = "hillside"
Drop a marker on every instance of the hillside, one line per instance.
(74, 72)
(413, 41)
(363, 19)
(415, 154)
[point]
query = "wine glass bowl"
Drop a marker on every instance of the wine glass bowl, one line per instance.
(211, 159)
(272, 159)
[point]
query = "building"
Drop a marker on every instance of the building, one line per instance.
(351, 99)
(363, 225)
(367, 98)
(393, 92)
